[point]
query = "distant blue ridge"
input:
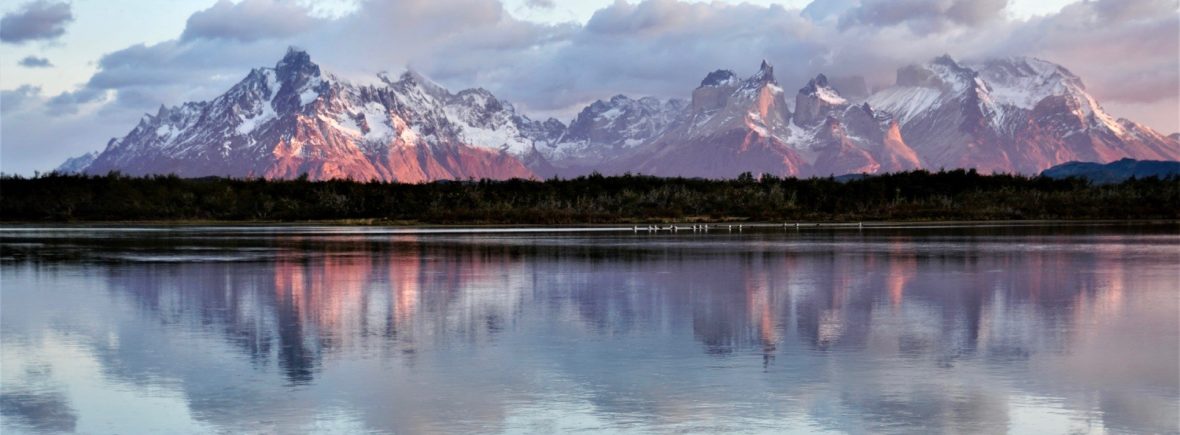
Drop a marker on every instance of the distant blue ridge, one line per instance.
(1114, 172)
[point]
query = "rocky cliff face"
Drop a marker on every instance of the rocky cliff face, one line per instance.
(848, 138)
(734, 126)
(731, 126)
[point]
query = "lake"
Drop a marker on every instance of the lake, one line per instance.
(1036, 328)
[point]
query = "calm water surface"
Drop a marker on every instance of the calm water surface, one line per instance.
(351, 330)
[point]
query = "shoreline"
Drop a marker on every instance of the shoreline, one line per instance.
(620, 226)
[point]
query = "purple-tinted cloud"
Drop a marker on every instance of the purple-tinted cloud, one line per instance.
(35, 62)
(1125, 50)
(923, 16)
(38, 20)
(249, 20)
(15, 99)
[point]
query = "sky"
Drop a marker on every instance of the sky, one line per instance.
(75, 73)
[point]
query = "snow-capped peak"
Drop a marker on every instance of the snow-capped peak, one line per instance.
(942, 73)
(921, 88)
(764, 78)
(1025, 81)
(817, 101)
(296, 68)
(765, 75)
(412, 79)
(820, 88)
(76, 165)
(614, 126)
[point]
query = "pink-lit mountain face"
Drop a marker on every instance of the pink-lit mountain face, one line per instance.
(295, 119)
(1019, 115)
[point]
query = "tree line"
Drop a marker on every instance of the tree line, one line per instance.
(909, 196)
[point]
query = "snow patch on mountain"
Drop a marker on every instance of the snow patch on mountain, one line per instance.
(828, 95)
(1023, 82)
(906, 102)
(76, 165)
(251, 122)
(377, 118)
(607, 129)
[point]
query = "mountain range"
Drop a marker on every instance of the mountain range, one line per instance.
(1015, 115)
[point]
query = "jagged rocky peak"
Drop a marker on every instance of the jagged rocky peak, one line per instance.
(296, 67)
(622, 120)
(482, 99)
(764, 76)
(544, 132)
(765, 71)
(1025, 81)
(862, 119)
(943, 73)
(819, 81)
(720, 78)
(715, 89)
(411, 80)
(816, 101)
(412, 77)
(719, 86)
(820, 88)
(76, 165)
(1021, 68)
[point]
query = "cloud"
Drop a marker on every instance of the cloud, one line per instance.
(15, 99)
(923, 16)
(39, 134)
(1124, 50)
(664, 48)
(38, 20)
(541, 4)
(35, 62)
(249, 20)
(1124, 10)
(69, 103)
(465, 40)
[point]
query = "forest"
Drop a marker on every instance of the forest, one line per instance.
(595, 199)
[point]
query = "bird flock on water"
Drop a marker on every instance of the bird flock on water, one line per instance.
(730, 227)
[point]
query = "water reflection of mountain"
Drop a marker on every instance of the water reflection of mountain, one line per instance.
(880, 328)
